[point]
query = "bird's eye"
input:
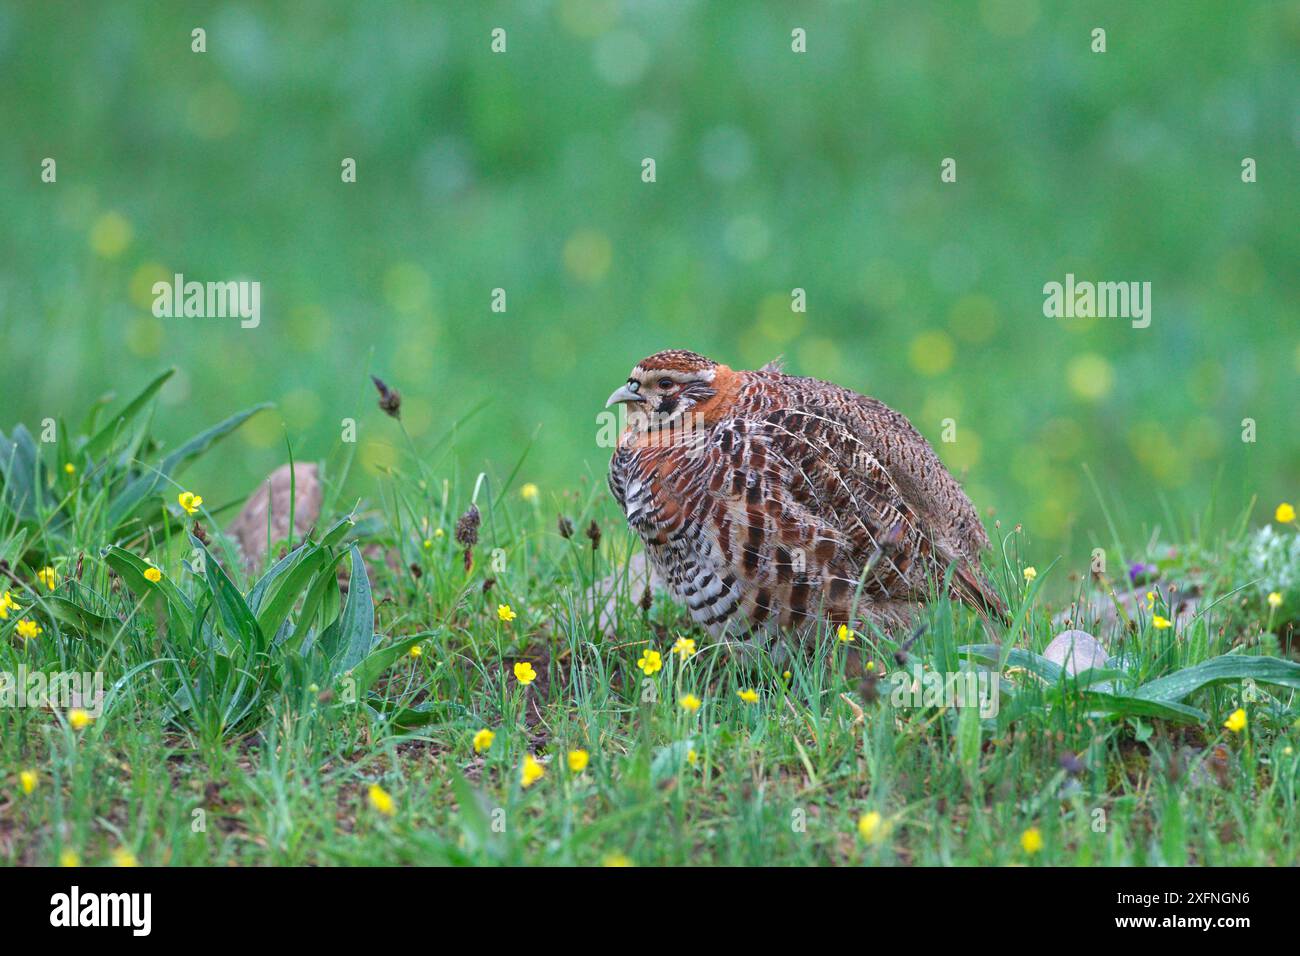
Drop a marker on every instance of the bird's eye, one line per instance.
(665, 383)
(634, 385)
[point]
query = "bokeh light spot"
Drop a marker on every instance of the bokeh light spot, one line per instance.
(1089, 376)
(931, 353)
(110, 235)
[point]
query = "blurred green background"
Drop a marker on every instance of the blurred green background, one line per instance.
(775, 170)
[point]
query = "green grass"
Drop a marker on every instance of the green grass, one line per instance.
(247, 729)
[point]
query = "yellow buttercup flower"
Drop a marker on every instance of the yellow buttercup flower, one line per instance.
(69, 858)
(1161, 622)
(439, 533)
(844, 634)
(124, 857)
(483, 740)
(1030, 573)
(7, 604)
(692, 757)
(70, 468)
(869, 826)
(189, 501)
(1031, 841)
(531, 771)
(684, 647)
(748, 696)
(1236, 721)
(650, 662)
(528, 492)
(416, 650)
(78, 718)
(524, 673)
(690, 702)
(1285, 513)
(578, 760)
(152, 574)
(381, 800)
(47, 577)
(27, 629)
(428, 545)
(505, 613)
(28, 780)
(616, 860)
(1274, 599)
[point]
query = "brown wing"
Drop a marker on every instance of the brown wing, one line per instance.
(808, 510)
(911, 463)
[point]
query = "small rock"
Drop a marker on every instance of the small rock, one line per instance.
(272, 498)
(1076, 651)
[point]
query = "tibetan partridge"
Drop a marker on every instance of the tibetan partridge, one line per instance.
(768, 501)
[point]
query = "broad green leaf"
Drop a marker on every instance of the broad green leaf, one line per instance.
(236, 617)
(80, 618)
(669, 759)
(125, 505)
(358, 621)
(421, 715)
(22, 472)
(1049, 671)
(287, 589)
(368, 671)
(102, 442)
(1125, 705)
(1227, 667)
(325, 583)
(473, 813)
(337, 531)
(131, 568)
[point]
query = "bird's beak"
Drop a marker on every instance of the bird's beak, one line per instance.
(623, 394)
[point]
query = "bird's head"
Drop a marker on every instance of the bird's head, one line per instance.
(668, 385)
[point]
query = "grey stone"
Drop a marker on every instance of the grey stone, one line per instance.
(1076, 651)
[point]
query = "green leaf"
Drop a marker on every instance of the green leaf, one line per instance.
(1127, 705)
(1049, 671)
(291, 576)
(80, 618)
(669, 759)
(131, 568)
(1014, 657)
(236, 616)
(421, 715)
(968, 741)
(1227, 667)
(474, 814)
(22, 472)
(102, 442)
(326, 583)
(337, 531)
(368, 671)
(358, 621)
(125, 505)
(1173, 837)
